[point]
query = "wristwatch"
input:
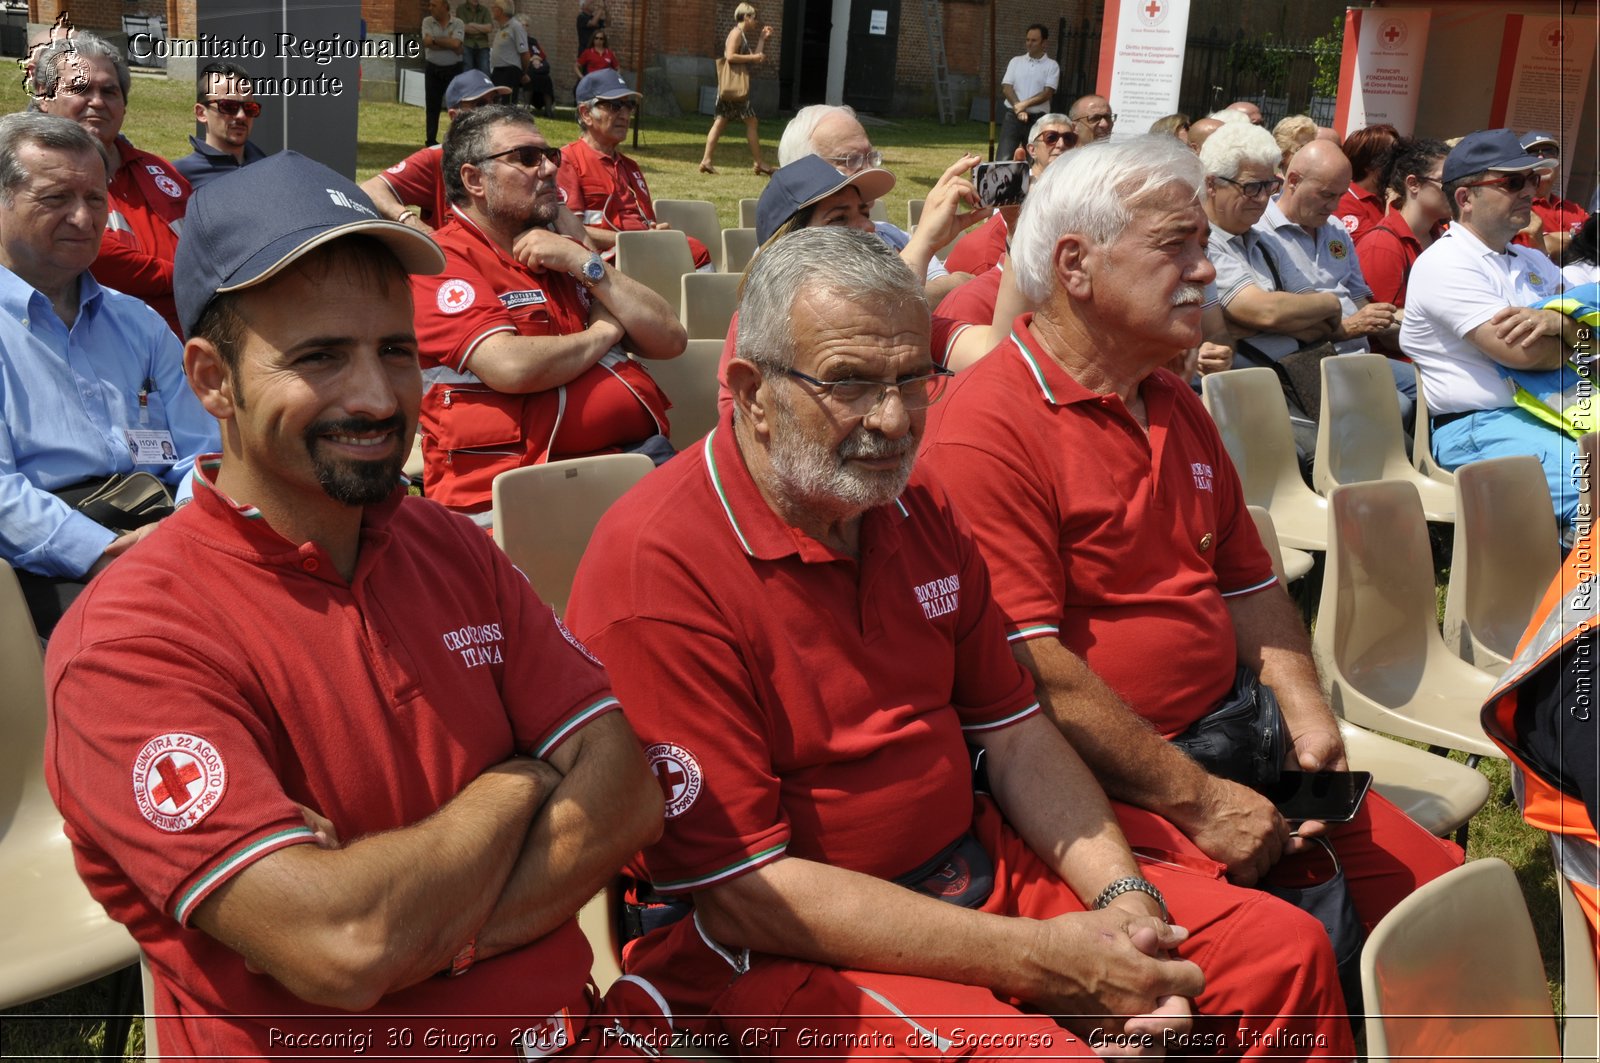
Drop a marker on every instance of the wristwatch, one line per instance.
(594, 270)
(1131, 884)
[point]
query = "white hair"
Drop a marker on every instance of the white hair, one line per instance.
(1227, 150)
(796, 141)
(1228, 116)
(1093, 191)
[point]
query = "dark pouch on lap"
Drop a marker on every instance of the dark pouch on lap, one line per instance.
(1243, 738)
(121, 503)
(1328, 901)
(962, 874)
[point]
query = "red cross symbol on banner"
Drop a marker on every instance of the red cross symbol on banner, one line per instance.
(1392, 34)
(1555, 38)
(175, 780)
(670, 778)
(1152, 9)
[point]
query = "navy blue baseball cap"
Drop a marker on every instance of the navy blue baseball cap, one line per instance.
(805, 181)
(1535, 137)
(245, 228)
(472, 85)
(604, 84)
(1490, 149)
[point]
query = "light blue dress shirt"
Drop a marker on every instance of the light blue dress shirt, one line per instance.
(67, 400)
(1320, 261)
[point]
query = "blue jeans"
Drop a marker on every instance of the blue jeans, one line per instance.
(1509, 431)
(476, 58)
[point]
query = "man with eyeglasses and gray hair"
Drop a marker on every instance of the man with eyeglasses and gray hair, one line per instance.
(1093, 118)
(528, 337)
(604, 187)
(225, 103)
(835, 133)
(801, 627)
(1472, 320)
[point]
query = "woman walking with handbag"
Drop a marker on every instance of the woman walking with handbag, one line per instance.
(733, 85)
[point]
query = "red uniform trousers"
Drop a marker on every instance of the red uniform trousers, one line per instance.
(1271, 987)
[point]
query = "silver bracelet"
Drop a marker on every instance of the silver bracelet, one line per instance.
(1132, 884)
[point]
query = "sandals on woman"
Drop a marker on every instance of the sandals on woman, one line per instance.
(763, 170)
(706, 167)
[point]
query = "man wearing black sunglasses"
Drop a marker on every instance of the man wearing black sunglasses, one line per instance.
(225, 104)
(1471, 322)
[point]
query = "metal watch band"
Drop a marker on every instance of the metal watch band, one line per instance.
(1132, 884)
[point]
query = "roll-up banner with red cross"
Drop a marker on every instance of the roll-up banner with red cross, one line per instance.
(1544, 76)
(1380, 72)
(1141, 61)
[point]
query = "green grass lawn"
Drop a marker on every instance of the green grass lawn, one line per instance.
(66, 1026)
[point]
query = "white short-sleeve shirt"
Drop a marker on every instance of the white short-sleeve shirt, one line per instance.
(1456, 285)
(1028, 77)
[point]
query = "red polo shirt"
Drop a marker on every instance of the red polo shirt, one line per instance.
(981, 248)
(471, 432)
(610, 192)
(1559, 215)
(265, 679)
(1122, 544)
(1386, 252)
(418, 180)
(1359, 209)
(148, 198)
(793, 699)
(973, 303)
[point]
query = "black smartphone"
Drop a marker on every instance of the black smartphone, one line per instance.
(1002, 184)
(1330, 796)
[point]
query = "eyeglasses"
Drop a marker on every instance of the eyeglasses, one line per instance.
(861, 397)
(857, 161)
(1512, 182)
(624, 104)
(1053, 137)
(1255, 189)
(528, 156)
(1109, 118)
(1545, 151)
(231, 108)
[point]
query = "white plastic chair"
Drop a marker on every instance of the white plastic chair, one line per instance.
(544, 514)
(738, 248)
(747, 213)
(1359, 437)
(1287, 565)
(656, 258)
(1580, 998)
(1422, 439)
(53, 935)
(1453, 972)
(1253, 420)
(1376, 642)
(690, 381)
(697, 218)
(708, 303)
(1505, 556)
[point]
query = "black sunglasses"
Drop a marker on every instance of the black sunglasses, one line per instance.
(528, 156)
(231, 108)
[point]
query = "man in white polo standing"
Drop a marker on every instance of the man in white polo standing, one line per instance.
(1030, 82)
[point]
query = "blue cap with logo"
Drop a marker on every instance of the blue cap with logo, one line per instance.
(1534, 138)
(604, 84)
(805, 181)
(473, 85)
(245, 228)
(1490, 149)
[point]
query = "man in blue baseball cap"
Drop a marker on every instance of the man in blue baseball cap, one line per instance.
(604, 187)
(370, 771)
(1470, 320)
(1559, 219)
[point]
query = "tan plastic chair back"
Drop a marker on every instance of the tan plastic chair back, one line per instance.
(1253, 420)
(1453, 972)
(1580, 997)
(1422, 439)
(1280, 557)
(709, 300)
(1435, 792)
(1376, 640)
(656, 258)
(598, 921)
(544, 514)
(879, 211)
(747, 213)
(53, 935)
(1359, 437)
(914, 212)
(690, 381)
(697, 218)
(1506, 553)
(738, 248)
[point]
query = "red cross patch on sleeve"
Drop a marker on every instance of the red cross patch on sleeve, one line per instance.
(177, 780)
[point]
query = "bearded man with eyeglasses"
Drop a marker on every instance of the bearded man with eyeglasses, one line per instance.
(1471, 317)
(225, 104)
(530, 342)
(604, 187)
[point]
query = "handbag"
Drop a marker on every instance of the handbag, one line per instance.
(1243, 738)
(121, 503)
(733, 82)
(1329, 903)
